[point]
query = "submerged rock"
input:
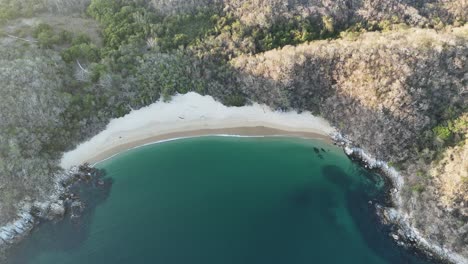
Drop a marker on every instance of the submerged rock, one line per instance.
(76, 208)
(57, 210)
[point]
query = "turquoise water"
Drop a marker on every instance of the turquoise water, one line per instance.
(225, 200)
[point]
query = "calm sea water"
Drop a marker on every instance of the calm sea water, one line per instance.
(223, 200)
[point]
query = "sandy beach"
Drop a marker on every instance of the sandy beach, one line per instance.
(193, 115)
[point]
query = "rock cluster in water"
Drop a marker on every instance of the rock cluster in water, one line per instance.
(64, 201)
(403, 233)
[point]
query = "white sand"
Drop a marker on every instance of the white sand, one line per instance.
(191, 115)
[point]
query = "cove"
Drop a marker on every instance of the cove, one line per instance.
(225, 200)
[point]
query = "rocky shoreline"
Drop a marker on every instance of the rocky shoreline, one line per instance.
(65, 200)
(402, 232)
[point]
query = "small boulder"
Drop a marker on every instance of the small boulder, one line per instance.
(56, 210)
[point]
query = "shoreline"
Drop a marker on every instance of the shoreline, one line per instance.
(407, 235)
(354, 153)
(188, 115)
(193, 115)
(257, 131)
(394, 214)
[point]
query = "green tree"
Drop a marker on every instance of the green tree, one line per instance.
(442, 132)
(86, 52)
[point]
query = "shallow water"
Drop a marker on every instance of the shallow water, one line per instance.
(225, 200)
